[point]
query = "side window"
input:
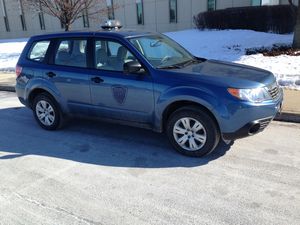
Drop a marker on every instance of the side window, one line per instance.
(71, 52)
(111, 55)
(38, 51)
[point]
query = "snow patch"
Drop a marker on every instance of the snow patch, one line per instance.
(231, 45)
(10, 50)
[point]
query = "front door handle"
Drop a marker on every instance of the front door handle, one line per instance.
(51, 74)
(97, 80)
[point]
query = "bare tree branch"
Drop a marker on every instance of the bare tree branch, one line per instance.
(67, 11)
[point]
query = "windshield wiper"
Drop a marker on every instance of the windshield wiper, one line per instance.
(175, 66)
(183, 64)
(189, 62)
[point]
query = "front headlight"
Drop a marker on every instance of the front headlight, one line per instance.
(255, 95)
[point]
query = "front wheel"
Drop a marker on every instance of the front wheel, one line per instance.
(192, 132)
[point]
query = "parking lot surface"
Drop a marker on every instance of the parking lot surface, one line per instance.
(98, 173)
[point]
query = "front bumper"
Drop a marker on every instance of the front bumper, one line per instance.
(251, 119)
(249, 129)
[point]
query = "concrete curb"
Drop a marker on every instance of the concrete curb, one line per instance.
(288, 117)
(7, 88)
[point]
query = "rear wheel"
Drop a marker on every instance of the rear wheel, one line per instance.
(192, 131)
(46, 112)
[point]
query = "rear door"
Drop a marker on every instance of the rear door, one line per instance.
(69, 73)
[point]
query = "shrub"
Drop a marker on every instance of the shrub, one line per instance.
(278, 19)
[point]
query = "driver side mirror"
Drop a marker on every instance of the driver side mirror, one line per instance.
(133, 67)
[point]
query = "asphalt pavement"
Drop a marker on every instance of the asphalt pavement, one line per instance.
(97, 173)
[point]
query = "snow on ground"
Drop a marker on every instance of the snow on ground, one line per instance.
(10, 51)
(228, 45)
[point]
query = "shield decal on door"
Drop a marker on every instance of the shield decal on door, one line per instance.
(119, 93)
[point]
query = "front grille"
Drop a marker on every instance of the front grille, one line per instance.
(274, 90)
(264, 123)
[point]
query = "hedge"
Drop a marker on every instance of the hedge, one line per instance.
(278, 19)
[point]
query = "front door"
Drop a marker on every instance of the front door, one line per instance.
(115, 94)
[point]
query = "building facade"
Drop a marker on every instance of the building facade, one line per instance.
(153, 15)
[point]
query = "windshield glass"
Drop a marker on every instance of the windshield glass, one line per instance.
(161, 51)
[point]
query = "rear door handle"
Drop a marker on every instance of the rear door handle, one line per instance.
(51, 74)
(97, 80)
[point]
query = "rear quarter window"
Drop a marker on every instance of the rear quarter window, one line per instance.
(38, 51)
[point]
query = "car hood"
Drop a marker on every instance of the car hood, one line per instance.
(229, 74)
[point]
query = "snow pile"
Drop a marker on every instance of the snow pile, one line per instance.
(230, 45)
(10, 51)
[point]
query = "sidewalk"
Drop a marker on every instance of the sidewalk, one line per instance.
(290, 110)
(7, 81)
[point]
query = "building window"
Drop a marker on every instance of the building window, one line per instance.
(272, 2)
(211, 5)
(256, 2)
(6, 24)
(41, 18)
(85, 18)
(110, 9)
(22, 17)
(42, 21)
(5, 15)
(23, 22)
(140, 11)
(173, 11)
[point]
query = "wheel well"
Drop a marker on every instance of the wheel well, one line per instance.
(35, 93)
(179, 104)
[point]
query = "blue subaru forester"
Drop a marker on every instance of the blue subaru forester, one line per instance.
(146, 80)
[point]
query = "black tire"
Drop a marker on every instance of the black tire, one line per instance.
(209, 129)
(57, 114)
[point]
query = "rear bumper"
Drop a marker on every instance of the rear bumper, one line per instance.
(20, 91)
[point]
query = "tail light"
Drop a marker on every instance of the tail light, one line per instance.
(18, 70)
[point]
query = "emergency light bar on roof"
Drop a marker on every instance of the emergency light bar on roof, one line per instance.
(111, 25)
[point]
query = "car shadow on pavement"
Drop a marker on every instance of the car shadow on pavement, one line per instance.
(92, 142)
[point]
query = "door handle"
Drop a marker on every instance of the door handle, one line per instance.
(51, 74)
(97, 80)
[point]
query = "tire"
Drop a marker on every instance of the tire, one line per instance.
(44, 104)
(192, 132)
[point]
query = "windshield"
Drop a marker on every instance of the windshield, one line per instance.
(161, 51)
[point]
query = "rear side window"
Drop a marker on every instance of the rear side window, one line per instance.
(38, 51)
(71, 52)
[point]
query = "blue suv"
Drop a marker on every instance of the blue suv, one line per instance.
(146, 80)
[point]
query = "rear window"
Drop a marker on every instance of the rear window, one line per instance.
(71, 52)
(38, 51)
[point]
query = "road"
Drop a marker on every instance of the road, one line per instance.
(98, 173)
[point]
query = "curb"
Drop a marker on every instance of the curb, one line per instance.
(288, 117)
(7, 88)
